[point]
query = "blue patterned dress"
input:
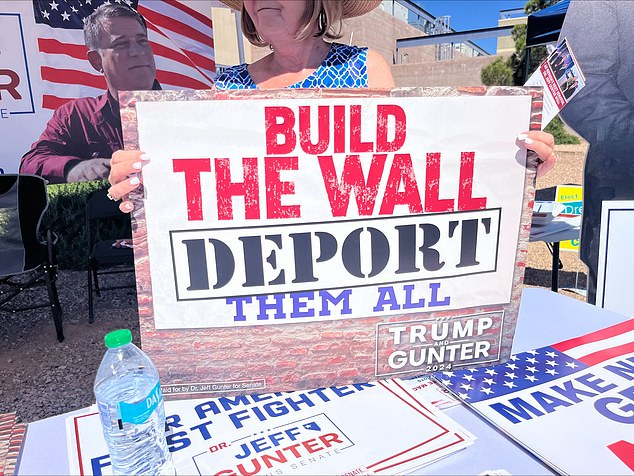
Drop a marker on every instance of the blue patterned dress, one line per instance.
(344, 67)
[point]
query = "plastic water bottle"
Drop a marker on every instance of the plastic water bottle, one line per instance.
(130, 404)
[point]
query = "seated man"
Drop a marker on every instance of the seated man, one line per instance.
(82, 134)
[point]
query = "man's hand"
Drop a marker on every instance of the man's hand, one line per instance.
(86, 170)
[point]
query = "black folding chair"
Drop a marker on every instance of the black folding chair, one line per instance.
(104, 258)
(27, 256)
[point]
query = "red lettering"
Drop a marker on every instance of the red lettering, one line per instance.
(356, 145)
(257, 467)
(278, 458)
(352, 177)
(402, 172)
(275, 188)
(329, 438)
(226, 189)
(293, 450)
(279, 123)
(323, 130)
(217, 447)
(624, 450)
(192, 169)
(12, 86)
(312, 446)
(384, 112)
(466, 201)
(314, 133)
(339, 135)
(432, 187)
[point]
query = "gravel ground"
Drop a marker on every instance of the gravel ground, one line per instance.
(568, 171)
(40, 377)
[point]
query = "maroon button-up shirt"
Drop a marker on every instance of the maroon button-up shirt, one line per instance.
(81, 129)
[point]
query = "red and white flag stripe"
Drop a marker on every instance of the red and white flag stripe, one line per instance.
(181, 36)
(602, 345)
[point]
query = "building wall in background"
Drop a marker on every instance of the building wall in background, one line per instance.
(225, 36)
(378, 30)
(457, 72)
(505, 44)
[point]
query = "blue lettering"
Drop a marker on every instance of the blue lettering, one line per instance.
(203, 408)
(626, 412)
(239, 301)
(343, 297)
(260, 444)
(570, 392)
(202, 427)
(229, 402)
(433, 302)
(342, 391)
(548, 402)
(386, 296)
(299, 307)
(302, 305)
(172, 421)
(408, 298)
(237, 418)
(98, 463)
(520, 408)
(595, 384)
(302, 398)
(388, 299)
(622, 369)
(277, 306)
(177, 441)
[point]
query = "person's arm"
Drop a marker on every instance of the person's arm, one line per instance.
(600, 112)
(379, 73)
(49, 157)
(52, 156)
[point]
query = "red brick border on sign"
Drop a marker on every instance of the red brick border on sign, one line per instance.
(225, 361)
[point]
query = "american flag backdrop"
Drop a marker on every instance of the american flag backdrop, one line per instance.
(536, 367)
(180, 33)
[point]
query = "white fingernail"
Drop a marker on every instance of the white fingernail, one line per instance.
(134, 180)
(522, 136)
(528, 141)
(145, 157)
(137, 165)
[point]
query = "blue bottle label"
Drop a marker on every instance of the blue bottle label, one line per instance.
(140, 411)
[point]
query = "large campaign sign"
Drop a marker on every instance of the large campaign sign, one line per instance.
(570, 403)
(319, 431)
(293, 240)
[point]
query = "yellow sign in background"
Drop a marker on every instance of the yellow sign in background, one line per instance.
(572, 197)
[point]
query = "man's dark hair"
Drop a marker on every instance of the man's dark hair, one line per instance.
(94, 24)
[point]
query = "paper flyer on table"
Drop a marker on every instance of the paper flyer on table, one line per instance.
(561, 77)
(571, 404)
(318, 238)
(311, 432)
(427, 389)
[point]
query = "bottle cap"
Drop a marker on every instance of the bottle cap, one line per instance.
(118, 338)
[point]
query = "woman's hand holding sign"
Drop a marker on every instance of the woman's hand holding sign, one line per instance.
(124, 177)
(541, 150)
